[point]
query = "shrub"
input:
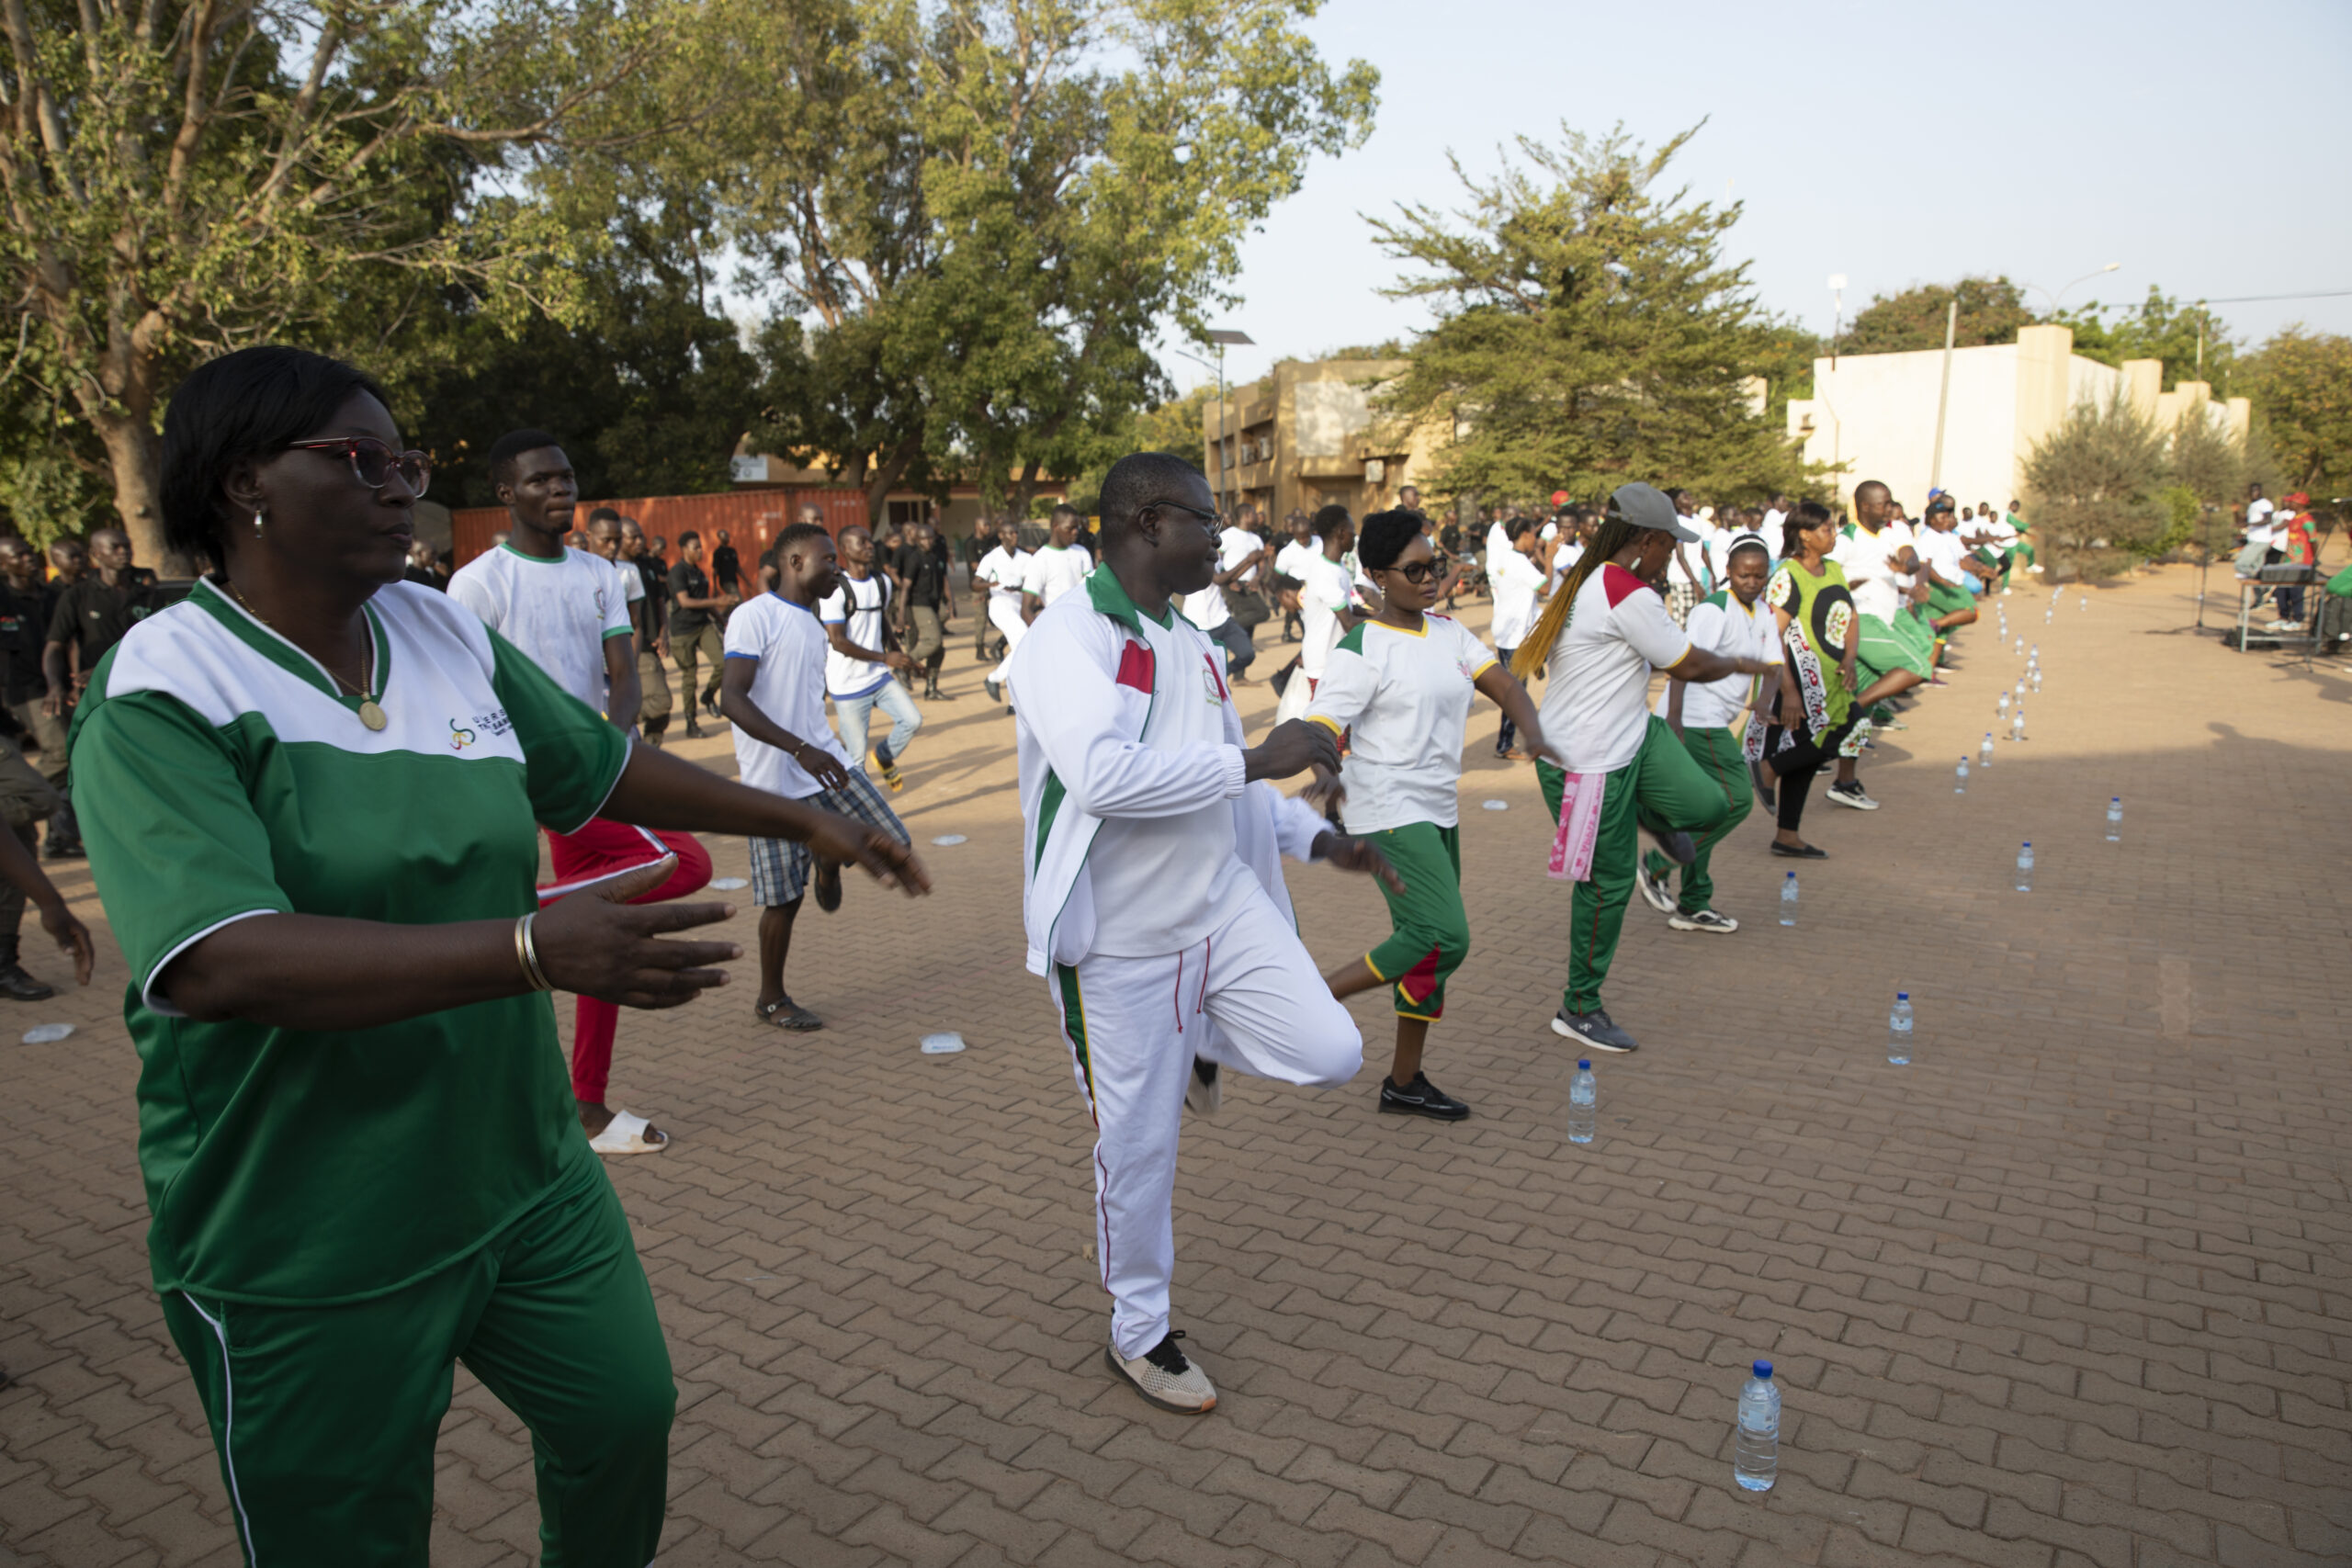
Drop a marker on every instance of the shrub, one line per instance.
(2092, 488)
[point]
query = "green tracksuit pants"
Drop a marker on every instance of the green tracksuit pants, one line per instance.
(1718, 754)
(1661, 789)
(324, 1417)
(1431, 934)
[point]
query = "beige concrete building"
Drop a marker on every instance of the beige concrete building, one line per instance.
(1872, 416)
(1306, 436)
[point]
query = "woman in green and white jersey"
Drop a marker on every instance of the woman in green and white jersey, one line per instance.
(310, 793)
(1398, 690)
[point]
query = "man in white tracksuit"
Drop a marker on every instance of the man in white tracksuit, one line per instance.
(1004, 569)
(1153, 898)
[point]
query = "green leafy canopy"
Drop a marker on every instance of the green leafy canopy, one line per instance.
(1590, 330)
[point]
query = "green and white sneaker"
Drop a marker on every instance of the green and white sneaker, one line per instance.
(1165, 1378)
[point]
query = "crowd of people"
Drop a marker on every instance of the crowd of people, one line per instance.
(364, 1156)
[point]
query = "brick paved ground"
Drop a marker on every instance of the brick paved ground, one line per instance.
(2072, 1289)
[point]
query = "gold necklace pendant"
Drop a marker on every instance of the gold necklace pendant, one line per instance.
(371, 715)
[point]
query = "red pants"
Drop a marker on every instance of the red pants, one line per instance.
(601, 850)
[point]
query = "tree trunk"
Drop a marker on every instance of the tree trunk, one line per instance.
(136, 454)
(885, 477)
(1024, 489)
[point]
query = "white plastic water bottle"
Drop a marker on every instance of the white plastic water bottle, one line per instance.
(1984, 752)
(2003, 705)
(2115, 821)
(1788, 900)
(1583, 1104)
(1756, 1442)
(2017, 724)
(1898, 1031)
(2025, 867)
(2037, 681)
(1960, 784)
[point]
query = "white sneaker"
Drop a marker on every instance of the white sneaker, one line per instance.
(1165, 1378)
(1852, 795)
(1206, 1091)
(1704, 921)
(1654, 888)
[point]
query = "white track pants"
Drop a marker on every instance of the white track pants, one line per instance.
(1004, 614)
(1248, 999)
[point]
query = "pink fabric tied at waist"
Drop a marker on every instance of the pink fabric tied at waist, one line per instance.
(1579, 826)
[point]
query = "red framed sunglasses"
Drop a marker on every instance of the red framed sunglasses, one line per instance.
(373, 462)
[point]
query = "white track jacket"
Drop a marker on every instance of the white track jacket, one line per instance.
(1086, 687)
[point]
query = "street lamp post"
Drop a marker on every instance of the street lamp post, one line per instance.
(2054, 299)
(1838, 313)
(1223, 339)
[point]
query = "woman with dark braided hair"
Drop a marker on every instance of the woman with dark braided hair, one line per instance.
(1400, 685)
(1621, 766)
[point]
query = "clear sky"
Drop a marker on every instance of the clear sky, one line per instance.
(2199, 146)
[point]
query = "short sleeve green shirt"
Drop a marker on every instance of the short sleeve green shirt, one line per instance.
(221, 775)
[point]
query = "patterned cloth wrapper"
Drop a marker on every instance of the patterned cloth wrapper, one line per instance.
(1579, 826)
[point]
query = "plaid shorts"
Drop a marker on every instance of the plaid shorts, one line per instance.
(781, 867)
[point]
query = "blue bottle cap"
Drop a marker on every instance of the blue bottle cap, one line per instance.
(1763, 1369)
(1585, 1065)
(1901, 996)
(2029, 844)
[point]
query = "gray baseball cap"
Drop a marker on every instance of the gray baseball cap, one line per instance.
(1645, 506)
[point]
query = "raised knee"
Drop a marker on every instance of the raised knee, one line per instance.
(1331, 1048)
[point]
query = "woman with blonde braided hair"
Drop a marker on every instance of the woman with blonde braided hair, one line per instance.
(1602, 635)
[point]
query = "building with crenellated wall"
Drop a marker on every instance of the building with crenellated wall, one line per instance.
(1872, 416)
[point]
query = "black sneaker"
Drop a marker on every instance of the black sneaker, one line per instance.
(1677, 846)
(828, 886)
(62, 849)
(20, 987)
(1594, 1028)
(1420, 1098)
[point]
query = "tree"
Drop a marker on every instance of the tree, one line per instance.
(2093, 489)
(184, 176)
(1588, 331)
(1991, 311)
(649, 389)
(2193, 344)
(985, 211)
(2301, 383)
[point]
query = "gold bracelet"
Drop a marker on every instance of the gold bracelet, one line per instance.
(526, 953)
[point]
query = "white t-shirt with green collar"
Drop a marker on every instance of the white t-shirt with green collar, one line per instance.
(1403, 698)
(560, 610)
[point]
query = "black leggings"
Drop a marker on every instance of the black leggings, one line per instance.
(1806, 756)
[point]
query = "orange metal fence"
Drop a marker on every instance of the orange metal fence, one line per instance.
(751, 518)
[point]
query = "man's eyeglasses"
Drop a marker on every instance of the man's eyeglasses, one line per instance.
(1179, 507)
(1417, 572)
(372, 462)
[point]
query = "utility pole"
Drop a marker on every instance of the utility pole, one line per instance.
(1943, 396)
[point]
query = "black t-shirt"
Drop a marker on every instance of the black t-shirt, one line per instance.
(22, 631)
(1451, 537)
(924, 574)
(657, 591)
(427, 576)
(727, 568)
(687, 581)
(91, 617)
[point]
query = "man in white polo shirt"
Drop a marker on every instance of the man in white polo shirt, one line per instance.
(860, 664)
